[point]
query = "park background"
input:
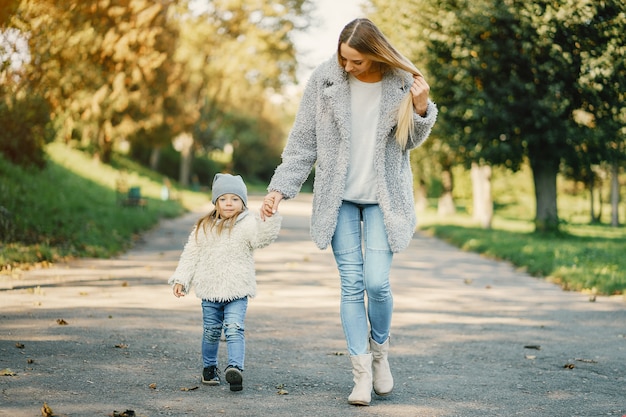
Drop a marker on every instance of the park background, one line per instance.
(525, 164)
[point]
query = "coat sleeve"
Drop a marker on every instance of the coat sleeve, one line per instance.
(185, 270)
(266, 231)
(422, 126)
(300, 153)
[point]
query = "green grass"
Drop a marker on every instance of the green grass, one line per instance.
(582, 257)
(71, 209)
(580, 263)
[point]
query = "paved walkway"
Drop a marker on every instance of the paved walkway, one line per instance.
(470, 337)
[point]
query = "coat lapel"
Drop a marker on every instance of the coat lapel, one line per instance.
(337, 95)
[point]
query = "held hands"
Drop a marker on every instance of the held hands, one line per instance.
(420, 90)
(179, 290)
(270, 204)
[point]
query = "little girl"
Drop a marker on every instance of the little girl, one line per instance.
(218, 261)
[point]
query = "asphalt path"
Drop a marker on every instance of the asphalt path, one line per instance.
(471, 337)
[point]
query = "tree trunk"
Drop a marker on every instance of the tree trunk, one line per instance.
(544, 177)
(105, 147)
(445, 205)
(155, 156)
(106, 142)
(592, 208)
(615, 195)
(481, 193)
(184, 144)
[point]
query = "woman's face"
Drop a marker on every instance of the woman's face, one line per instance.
(229, 205)
(354, 62)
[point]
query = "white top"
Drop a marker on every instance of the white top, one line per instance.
(365, 110)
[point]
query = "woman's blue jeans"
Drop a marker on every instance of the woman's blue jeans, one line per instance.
(363, 258)
(230, 316)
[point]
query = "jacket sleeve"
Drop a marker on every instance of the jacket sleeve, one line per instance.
(266, 231)
(422, 126)
(300, 153)
(185, 270)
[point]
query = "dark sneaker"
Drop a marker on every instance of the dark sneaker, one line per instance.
(234, 377)
(211, 375)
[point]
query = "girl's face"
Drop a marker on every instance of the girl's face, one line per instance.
(355, 63)
(228, 205)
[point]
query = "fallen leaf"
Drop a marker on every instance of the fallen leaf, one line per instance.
(19, 345)
(7, 372)
(152, 386)
(121, 346)
(46, 411)
(189, 389)
(61, 322)
(127, 413)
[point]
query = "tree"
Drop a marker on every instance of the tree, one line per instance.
(24, 114)
(99, 65)
(25, 121)
(231, 58)
(601, 83)
(506, 78)
(148, 72)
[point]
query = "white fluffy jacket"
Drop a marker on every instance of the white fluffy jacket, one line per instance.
(221, 267)
(321, 136)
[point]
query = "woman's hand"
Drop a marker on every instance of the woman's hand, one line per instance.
(419, 91)
(179, 290)
(270, 204)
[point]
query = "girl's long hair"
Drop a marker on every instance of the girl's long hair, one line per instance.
(363, 36)
(214, 222)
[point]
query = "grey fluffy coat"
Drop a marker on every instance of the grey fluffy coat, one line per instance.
(321, 136)
(221, 267)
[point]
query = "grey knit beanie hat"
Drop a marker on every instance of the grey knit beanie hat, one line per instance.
(229, 184)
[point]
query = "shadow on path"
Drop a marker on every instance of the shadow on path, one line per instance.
(470, 337)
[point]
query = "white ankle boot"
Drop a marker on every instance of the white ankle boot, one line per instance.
(383, 380)
(362, 372)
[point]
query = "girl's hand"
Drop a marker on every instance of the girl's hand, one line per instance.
(419, 91)
(179, 290)
(270, 204)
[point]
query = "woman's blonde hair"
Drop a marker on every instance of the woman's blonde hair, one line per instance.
(363, 36)
(215, 222)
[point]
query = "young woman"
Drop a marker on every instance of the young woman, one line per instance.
(361, 113)
(218, 261)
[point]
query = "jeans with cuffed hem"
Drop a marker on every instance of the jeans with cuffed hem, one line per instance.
(363, 257)
(229, 316)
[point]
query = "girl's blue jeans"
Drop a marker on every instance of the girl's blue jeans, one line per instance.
(363, 257)
(229, 316)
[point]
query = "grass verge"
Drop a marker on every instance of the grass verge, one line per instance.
(71, 209)
(580, 258)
